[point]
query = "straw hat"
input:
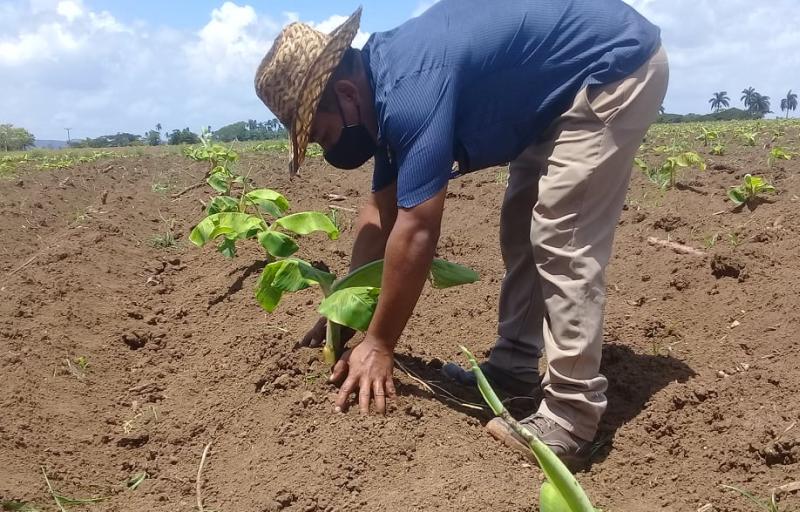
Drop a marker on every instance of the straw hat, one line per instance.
(292, 76)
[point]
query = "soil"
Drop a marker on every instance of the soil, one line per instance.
(701, 352)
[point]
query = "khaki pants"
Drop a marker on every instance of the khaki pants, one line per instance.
(563, 201)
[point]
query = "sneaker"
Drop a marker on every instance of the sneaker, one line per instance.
(507, 387)
(573, 451)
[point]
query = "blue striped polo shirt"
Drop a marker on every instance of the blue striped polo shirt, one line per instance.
(477, 81)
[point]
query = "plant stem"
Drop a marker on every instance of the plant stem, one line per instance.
(333, 343)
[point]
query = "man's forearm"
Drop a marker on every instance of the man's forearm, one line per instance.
(409, 254)
(375, 222)
(370, 241)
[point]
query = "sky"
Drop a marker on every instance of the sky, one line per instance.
(106, 66)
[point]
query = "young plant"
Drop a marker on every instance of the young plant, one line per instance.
(220, 176)
(560, 492)
(349, 301)
(749, 191)
(778, 153)
(642, 166)
(166, 239)
(750, 138)
(238, 214)
(707, 136)
(666, 175)
(718, 150)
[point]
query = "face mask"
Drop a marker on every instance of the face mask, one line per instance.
(354, 147)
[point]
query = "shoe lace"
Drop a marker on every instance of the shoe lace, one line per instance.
(538, 422)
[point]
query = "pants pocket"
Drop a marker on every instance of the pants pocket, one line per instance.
(605, 101)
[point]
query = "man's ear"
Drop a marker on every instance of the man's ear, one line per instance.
(349, 100)
(346, 90)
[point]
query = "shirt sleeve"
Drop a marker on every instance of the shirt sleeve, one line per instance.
(385, 172)
(419, 129)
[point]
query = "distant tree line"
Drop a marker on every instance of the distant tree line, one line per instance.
(731, 114)
(108, 141)
(756, 106)
(251, 130)
(13, 138)
(241, 131)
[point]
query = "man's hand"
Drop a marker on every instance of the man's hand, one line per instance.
(368, 370)
(315, 337)
(409, 253)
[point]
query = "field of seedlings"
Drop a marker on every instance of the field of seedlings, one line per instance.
(153, 299)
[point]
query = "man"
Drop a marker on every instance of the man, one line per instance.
(563, 89)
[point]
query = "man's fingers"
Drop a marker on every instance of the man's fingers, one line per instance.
(380, 397)
(391, 392)
(315, 336)
(339, 372)
(341, 369)
(344, 394)
(364, 394)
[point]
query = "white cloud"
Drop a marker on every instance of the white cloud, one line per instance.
(716, 46)
(65, 64)
(69, 10)
(231, 44)
(334, 21)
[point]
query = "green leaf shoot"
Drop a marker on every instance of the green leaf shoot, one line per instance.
(749, 190)
(288, 275)
(268, 200)
(352, 307)
(233, 225)
(304, 223)
(445, 274)
(370, 274)
(222, 204)
(277, 244)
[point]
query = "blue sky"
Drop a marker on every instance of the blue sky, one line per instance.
(102, 66)
(378, 15)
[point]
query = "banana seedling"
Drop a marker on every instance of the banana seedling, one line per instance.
(778, 153)
(707, 136)
(666, 175)
(750, 190)
(262, 214)
(350, 301)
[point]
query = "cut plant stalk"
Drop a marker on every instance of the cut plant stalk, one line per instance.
(561, 492)
(333, 343)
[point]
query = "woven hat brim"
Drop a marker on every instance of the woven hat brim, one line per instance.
(314, 85)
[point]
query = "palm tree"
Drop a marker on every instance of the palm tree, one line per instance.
(759, 105)
(719, 100)
(747, 96)
(789, 102)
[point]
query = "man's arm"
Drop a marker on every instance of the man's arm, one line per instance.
(409, 252)
(374, 224)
